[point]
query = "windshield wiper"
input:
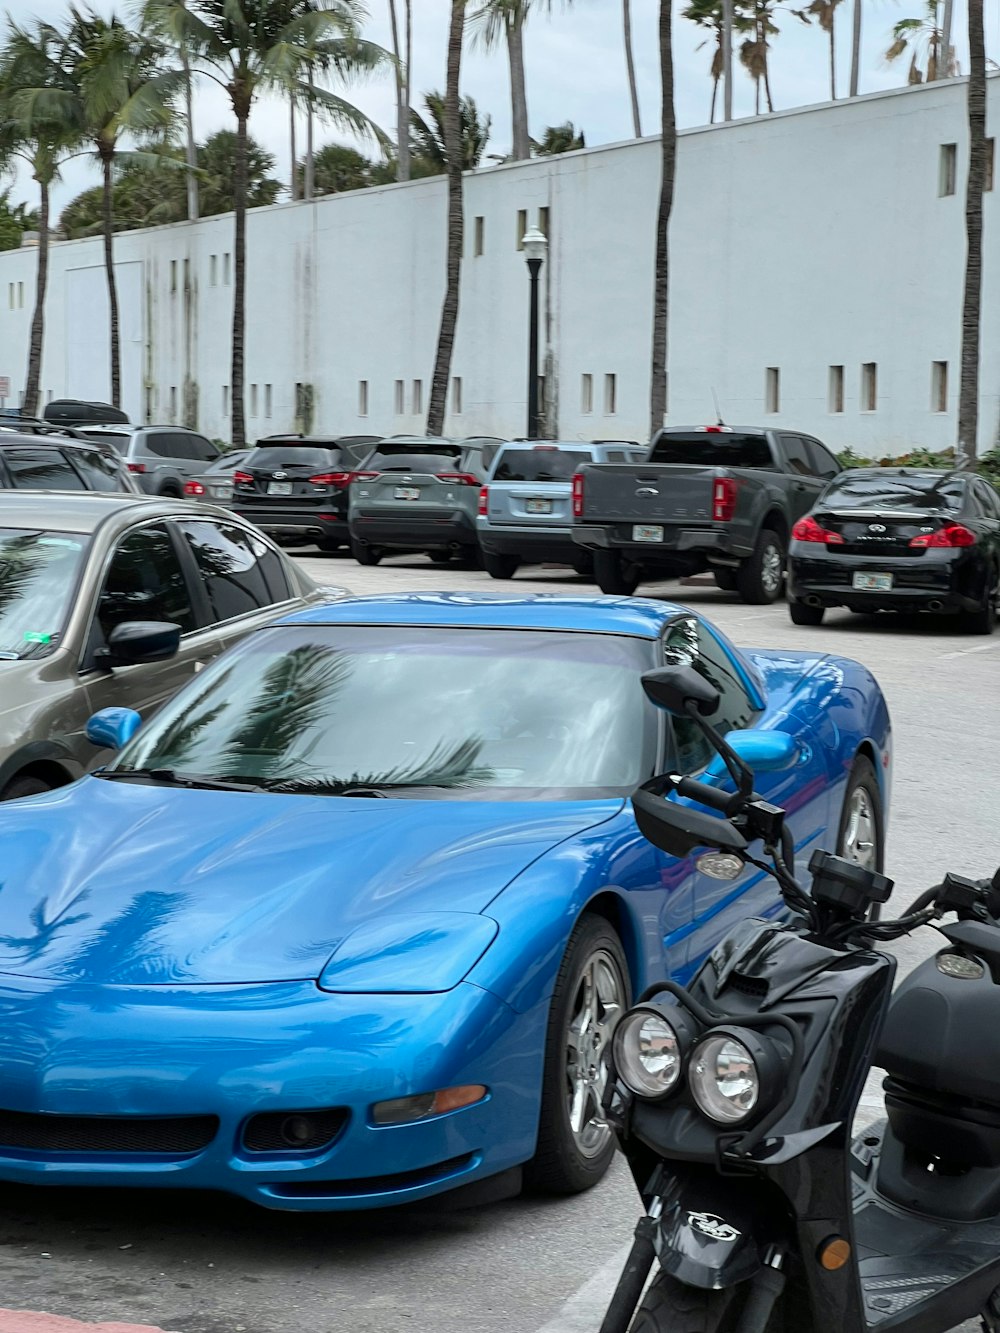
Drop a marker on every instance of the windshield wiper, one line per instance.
(330, 787)
(169, 777)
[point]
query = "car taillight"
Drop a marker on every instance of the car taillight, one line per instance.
(952, 534)
(484, 499)
(339, 479)
(458, 478)
(136, 467)
(193, 488)
(724, 499)
(242, 479)
(364, 476)
(578, 495)
(808, 530)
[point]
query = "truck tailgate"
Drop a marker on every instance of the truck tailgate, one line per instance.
(661, 493)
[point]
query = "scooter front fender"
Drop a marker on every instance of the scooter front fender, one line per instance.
(715, 1231)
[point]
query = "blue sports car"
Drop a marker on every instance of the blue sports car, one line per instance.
(350, 921)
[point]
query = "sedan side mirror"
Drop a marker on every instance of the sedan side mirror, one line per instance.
(134, 642)
(112, 728)
(674, 687)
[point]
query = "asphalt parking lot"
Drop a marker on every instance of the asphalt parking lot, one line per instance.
(211, 1265)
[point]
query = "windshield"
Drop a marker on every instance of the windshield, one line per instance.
(467, 712)
(114, 439)
(713, 448)
(927, 490)
(38, 572)
(541, 464)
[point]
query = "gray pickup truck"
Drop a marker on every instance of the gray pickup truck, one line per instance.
(718, 498)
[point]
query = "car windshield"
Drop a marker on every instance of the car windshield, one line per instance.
(460, 713)
(541, 464)
(712, 448)
(864, 490)
(291, 455)
(38, 573)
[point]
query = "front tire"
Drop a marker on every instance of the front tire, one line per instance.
(861, 835)
(575, 1142)
(726, 579)
(501, 566)
(583, 564)
(614, 574)
(762, 574)
(671, 1307)
(328, 544)
(984, 621)
(27, 785)
(805, 615)
(364, 554)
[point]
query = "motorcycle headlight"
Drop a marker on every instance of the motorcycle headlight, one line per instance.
(734, 1075)
(649, 1048)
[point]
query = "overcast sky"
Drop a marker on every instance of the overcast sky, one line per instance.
(575, 71)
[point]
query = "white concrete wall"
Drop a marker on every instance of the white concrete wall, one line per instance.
(801, 240)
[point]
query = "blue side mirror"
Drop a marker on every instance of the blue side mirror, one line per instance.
(112, 728)
(763, 751)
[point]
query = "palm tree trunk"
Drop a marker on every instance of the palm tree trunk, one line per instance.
(856, 48)
(456, 222)
(190, 152)
(408, 86)
(764, 61)
(108, 228)
(30, 404)
(661, 281)
(715, 94)
(239, 429)
(310, 155)
(294, 148)
(630, 65)
(727, 59)
(402, 107)
(518, 93)
(833, 56)
(968, 393)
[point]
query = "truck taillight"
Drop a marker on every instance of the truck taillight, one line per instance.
(724, 499)
(484, 499)
(578, 495)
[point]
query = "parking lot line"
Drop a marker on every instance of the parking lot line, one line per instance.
(584, 1310)
(964, 652)
(34, 1321)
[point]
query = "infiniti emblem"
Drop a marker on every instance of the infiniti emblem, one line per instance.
(876, 527)
(647, 490)
(280, 476)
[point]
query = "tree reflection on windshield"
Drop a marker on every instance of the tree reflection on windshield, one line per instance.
(37, 574)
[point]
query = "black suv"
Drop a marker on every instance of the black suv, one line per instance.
(295, 486)
(42, 457)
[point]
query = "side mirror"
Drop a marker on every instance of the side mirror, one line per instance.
(674, 687)
(134, 642)
(763, 751)
(678, 830)
(112, 728)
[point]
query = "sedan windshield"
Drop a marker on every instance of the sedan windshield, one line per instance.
(918, 490)
(372, 709)
(38, 572)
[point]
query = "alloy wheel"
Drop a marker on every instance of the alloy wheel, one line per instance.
(597, 1006)
(772, 568)
(860, 841)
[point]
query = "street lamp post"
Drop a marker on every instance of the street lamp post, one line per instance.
(535, 245)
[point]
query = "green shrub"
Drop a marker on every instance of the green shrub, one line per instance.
(987, 465)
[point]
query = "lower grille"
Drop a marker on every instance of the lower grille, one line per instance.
(293, 1131)
(175, 1136)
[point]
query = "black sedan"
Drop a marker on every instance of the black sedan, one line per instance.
(899, 539)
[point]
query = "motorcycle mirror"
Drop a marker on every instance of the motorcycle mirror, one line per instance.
(678, 829)
(675, 687)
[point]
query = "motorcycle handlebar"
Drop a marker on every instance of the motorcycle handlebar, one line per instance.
(707, 795)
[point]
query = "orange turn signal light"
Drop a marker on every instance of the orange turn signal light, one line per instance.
(834, 1253)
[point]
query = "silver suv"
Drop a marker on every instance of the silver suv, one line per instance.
(162, 458)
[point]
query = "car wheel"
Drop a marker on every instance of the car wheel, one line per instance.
(469, 557)
(24, 786)
(440, 557)
(726, 579)
(501, 566)
(583, 564)
(575, 1142)
(614, 574)
(806, 615)
(861, 836)
(328, 543)
(365, 555)
(761, 575)
(984, 621)
(169, 491)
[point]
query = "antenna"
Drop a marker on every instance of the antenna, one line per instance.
(718, 409)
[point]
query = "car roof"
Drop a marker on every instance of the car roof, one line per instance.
(58, 438)
(636, 616)
(726, 429)
(86, 511)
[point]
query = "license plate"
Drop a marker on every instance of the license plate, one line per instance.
(220, 492)
(406, 493)
(279, 488)
(873, 582)
(538, 506)
(647, 532)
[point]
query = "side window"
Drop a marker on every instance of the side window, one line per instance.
(193, 446)
(617, 456)
(796, 455)
(227, 560)
(42, 470)
(988, 498)
(100, 472)
(688, 642)
(823, 462)
(144, 582)
(158, 443)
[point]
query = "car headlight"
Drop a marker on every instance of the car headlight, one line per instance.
(735, 1075)
(649, 1048)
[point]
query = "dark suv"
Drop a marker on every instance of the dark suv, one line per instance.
(295, 486)
(52, 459)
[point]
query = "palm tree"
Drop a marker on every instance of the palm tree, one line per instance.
(824, 11)
(559, 139)
(190, 148)
(968, 392)
(710, 14)
(429, 148)
(119, 90)
(630, 67)
(402, 50)
(32, 129)
(456, 221)
(504, 20)
(661, 280)
(922, 37)
(249, 47)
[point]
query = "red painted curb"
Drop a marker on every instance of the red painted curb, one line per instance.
(33, 1321)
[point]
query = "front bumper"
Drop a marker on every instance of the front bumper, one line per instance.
(533, 544)
(437, 530)
(303, 522)
(73, 1052)
(937, 580)
(678, 544)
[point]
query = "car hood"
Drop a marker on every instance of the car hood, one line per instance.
(122, 883)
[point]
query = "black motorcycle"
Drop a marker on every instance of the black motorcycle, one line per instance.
(733, 1098)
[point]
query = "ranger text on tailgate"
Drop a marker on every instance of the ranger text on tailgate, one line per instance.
(718, 498)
